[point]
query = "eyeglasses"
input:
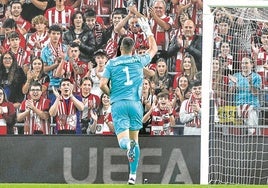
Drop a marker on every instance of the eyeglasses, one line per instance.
(74, 50)
(35, 90)
(7, 58)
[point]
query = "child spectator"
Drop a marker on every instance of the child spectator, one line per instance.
(190, 111)
(162, 115)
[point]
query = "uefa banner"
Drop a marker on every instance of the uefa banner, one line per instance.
(97, 159)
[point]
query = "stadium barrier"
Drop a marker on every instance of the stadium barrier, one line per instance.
(97, 159)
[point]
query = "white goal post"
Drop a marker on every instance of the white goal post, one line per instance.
(207, 57)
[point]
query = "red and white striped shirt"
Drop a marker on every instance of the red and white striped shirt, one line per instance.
(261, 60)
(62, 18)
(36, 43)
(22, 57)
(161, 36)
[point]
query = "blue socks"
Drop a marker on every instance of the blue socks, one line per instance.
(124, 144)
(134, 165)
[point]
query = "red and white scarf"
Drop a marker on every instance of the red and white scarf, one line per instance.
(66, 117)
(33, 122)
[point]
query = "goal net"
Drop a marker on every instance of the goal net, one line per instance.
(236, 50)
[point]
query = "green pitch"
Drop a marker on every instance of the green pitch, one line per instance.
(121, 186)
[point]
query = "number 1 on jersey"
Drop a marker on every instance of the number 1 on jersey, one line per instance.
(128, 82)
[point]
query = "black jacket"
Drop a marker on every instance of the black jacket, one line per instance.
(87, 46)
(195, 49)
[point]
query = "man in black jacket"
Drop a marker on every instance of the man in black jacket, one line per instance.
(187, 42)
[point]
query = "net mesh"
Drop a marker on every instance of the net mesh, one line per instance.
(238, 147)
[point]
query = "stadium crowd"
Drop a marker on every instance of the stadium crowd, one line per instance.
(54, 52)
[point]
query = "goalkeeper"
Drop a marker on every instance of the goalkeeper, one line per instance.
(126, 75)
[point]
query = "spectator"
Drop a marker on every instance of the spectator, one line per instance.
(181, 93)
(9, 26)
(73, 68)
(162, 79)
(105, 124)
(162, 115)
(188, 42)
(245, 86)
(190, 111)
(196, 14)
(34, 111)
(15, 13)
(176, 60)
(12, 78)
(66, 109)
(53, 53)
(97, 72)
(59, 15)
(133, 30)
(160, 24)
(91, 104)
(7, 114)
(147, 99)
(3, 9)
(188, 68)
(80, 34)
(97, 29)
(225, 33)
(33, 8)
(37, 74)
(22, 56)
(111, 37)
(260, 56)
(219, 83)
(97, 6)
(226, 58)
(40, 38)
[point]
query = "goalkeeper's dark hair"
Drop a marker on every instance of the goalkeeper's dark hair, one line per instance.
(127, 44)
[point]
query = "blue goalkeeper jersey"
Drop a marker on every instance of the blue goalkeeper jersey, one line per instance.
(126, 76)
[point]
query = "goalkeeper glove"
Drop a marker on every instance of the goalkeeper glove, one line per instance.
(143, 22)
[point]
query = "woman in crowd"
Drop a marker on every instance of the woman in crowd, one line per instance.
(188, 68)
(36, 73)
(181, 93)
(12, 78)
(91, 104)
(7, 114)
(161, 79)
(148, 98)
(226, 58)
(105, 122)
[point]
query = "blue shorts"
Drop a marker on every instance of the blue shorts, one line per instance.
(127, 115)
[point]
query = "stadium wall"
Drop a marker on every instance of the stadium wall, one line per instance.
(97, 159)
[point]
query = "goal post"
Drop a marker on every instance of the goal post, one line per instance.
(228, 157)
